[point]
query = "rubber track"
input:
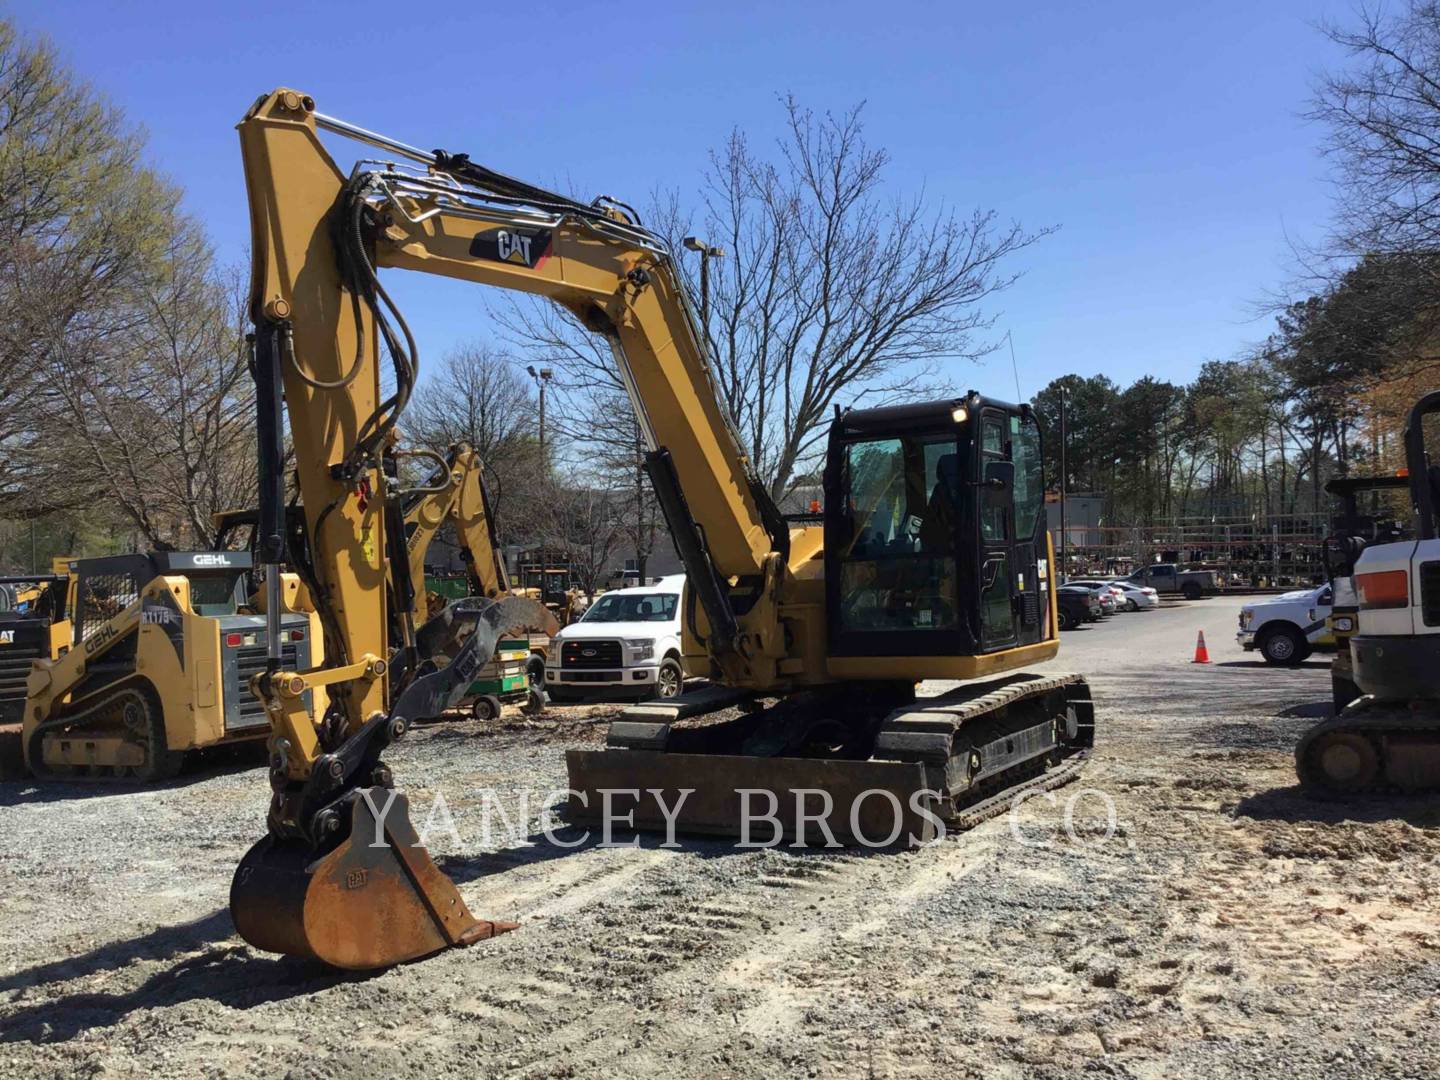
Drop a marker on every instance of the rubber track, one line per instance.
(937, 722)
(970, 816)
(1390, 720)
(107, 709)
(963, 711)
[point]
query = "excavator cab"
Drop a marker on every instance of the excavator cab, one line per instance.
(934, 530)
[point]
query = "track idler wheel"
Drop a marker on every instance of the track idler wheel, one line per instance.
(1346, 762)
(374, 900)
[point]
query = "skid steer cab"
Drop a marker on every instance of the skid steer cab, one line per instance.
(158, 662)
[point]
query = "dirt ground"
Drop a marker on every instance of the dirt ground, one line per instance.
(1224, 927)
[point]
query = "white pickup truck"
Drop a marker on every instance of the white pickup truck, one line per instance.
(1287, 627)
(627, 642)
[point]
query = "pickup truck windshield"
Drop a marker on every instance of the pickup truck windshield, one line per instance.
(638, 607)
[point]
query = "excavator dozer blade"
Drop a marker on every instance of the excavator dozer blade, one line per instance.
(362, 905)
(873, 803)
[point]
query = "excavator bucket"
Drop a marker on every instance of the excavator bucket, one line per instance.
(373, 897)
(374, 901)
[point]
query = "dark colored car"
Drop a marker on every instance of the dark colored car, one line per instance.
(1077, 605)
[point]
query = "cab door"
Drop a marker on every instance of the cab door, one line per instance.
(1027, 506)
(998, 623)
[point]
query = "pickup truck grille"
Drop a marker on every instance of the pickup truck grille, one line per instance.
(590, 654)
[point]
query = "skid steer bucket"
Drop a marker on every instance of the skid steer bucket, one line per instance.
(759, 800)
(370, 896)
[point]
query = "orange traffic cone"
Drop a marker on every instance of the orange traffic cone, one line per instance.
(1202, 654)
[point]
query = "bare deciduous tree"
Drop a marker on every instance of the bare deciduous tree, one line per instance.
(163, 415)
(1383, 115)
(123, 385)
(80, 218)
(828, 293)
(585, 522)
(478, 397)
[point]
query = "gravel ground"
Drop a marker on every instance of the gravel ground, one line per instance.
(1225, 927)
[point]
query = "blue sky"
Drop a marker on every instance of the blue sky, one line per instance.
(1165, 140)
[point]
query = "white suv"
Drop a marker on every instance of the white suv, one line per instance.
(628, 640)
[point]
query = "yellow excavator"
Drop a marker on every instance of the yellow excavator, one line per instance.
(455, 494)
(932, 562)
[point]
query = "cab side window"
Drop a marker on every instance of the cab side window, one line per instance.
(1029, 479)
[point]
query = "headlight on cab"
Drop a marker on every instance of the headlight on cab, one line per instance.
(641, 648)
(1342, 624)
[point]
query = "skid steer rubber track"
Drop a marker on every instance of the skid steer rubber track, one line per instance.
(127, 720)
(1372, 747)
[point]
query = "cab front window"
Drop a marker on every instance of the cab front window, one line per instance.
(898, 570)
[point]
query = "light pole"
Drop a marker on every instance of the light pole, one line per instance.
(541, 377)
(706, 254)
(1064, 488)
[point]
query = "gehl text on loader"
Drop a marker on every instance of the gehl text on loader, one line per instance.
(932, 562)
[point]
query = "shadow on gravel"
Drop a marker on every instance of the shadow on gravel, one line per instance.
(1310, 710)
(1273, 667)
(1251, 736)
(466, 868)
(223, 761)
(1292, 804)
(161, 943)
(231, 975)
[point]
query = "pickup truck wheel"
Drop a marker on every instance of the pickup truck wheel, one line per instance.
(1191, 591)
(1283, 645)
(669, 679)
(1067, 619)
